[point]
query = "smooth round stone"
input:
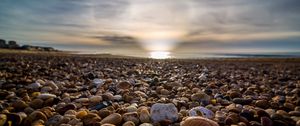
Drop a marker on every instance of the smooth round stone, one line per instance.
(36, 115)
(70, 112)
(201, 97)
(3, 119)
(201, 111)
(36, 103)
(91, 119)
(164, 92)
(124, 85)
(108, 96)
(34, 86)
(20, 105)
(131, 116)
(106, 124)
(104, 113)
(198, 121)
(98, 82)
(262, 104)
(282, 112)
(294, 113)
(52, 85)
(129, 123)
(144, 116)
(289, 106)
(46, 96)
(82, 100)
(298, 123)
(160, 111)
(146, 124)
(54, 120)
(66, 108)
(265, 121)
(234, 94)
(242, 101)
(81, 114)
(114, 118)
(117, 97)
(95, 99)
(46, 89)
(131, 108)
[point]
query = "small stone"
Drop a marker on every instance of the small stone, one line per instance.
(62, 110)
(164, 92)
(262, 104)
(129, 123)
(144, 116)
(117, 97)
(36, 103)
(124, 85)
(81, 114)
(38, 123)
(104, 113)
(131, 108)
(198, 121)
(131, 116)
(201, 111)
(161, 112)
(3, 119)
(34, 86)
(289, 106)
(298, 123)
(282, 112)
(201, 97)
(114, 118)
(19, 105)
(46, 96)
(242, 101)
(95, 99)
(91, 119)
(265, 121)
(38, 115)
(98, 82)
(294, 113)
(54, 120)
(146, 124)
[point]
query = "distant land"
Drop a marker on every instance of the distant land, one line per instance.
(14, 45)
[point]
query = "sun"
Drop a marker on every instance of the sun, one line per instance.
(160, 55)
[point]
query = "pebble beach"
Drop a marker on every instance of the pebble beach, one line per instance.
(71, 90)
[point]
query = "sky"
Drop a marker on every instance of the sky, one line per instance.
(184, 28)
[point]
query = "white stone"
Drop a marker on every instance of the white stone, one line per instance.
(161, 112)
(34, 86)
(201, 111)
(46, 96)
(98, 82)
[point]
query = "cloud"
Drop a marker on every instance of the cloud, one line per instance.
(132, 24)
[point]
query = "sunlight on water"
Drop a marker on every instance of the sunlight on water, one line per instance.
(160, 55)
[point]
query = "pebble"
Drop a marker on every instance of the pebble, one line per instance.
(46, 96)
(36, 103)
(161, 112)
(67, 107)
(81, 114)
(265, 121)
(262, 104)
(98, 82)
(3, 119)
(144, 116)
(34, 86)
(242, 101)
(129, 123)
(198, 121)
(201, 111)
(114, 118)
(91, 119)
(131, 116)
(124, 85)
